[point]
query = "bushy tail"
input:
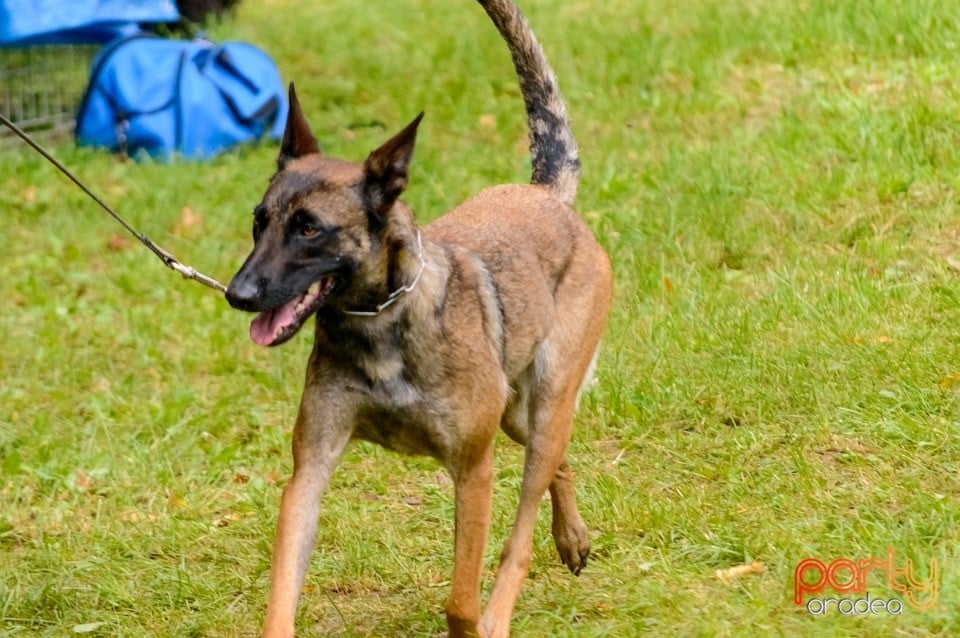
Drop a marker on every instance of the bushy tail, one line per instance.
(552, 146)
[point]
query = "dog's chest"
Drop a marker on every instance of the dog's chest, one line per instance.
(399, 408)
(401, 417)
(397, 374)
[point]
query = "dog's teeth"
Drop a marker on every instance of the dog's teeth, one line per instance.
(314, 288)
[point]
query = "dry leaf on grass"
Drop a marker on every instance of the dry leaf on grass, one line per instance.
(727, 576)
(950, 381)
(117, 243)
(133, 516)
(88, 627)
(188, 220)
(82, 481)
(226, 519)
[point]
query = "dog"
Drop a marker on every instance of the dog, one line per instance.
(428, 340)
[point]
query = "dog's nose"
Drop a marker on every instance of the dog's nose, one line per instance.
(244, 292)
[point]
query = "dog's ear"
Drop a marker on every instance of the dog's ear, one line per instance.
(385, 170)
(298, 140)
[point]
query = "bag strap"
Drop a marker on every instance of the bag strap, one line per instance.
(219, 63)
(103, 56)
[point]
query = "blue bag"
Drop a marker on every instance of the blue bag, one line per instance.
(192, 98)
(25, 22)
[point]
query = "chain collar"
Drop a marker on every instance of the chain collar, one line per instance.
(396, 294)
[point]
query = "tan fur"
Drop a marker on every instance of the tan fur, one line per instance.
(500, 329)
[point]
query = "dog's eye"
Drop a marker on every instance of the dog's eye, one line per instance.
(259, 221)
(305, 225)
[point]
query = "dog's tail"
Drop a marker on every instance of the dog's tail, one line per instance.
(553, 149)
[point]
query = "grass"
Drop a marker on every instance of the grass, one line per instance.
(776, 184)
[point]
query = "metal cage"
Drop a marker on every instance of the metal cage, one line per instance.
(41, 86)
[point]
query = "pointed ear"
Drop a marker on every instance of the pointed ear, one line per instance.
(385, 170)
(297, 138)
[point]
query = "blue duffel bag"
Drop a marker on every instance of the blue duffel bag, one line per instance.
(190, 98)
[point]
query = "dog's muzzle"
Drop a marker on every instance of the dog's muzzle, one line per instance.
(245, 292)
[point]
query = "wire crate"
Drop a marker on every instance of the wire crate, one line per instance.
(41, 86)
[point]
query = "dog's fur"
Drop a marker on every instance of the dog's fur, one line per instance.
(498, 317)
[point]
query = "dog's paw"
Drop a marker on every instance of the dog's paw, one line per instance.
(573, 544)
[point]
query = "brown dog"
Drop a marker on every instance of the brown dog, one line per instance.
(427, 341)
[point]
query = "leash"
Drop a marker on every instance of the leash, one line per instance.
(167, 258)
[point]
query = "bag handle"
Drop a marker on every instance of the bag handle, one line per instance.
(256, 106)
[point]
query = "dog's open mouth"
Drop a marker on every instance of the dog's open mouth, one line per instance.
(273, 327)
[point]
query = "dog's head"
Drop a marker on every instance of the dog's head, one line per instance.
(323, 232)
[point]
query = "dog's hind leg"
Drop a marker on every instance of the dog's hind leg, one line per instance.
(569, 531)
(546, 445)
(562, 363)
(545, 467)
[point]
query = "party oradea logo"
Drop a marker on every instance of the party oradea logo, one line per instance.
(849, 579)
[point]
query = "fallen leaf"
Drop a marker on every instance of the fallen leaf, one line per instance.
(82, 481)
(273, 477)
(950, 381)
(226, 519)
(134, 517)
(880, 339)
(616, 461)
(729, 574)
(87, 628)
(188, 220)
(118, 242)
(668, 285)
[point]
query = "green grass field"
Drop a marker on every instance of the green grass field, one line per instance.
(777, 185)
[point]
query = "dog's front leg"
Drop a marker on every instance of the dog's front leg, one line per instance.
(319, 439)
(473, 481)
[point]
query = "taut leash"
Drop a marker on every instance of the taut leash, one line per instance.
(168, 259)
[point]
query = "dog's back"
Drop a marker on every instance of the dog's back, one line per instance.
(527, 273)
(526, 238)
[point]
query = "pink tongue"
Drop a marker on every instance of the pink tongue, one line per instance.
(267, 326)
